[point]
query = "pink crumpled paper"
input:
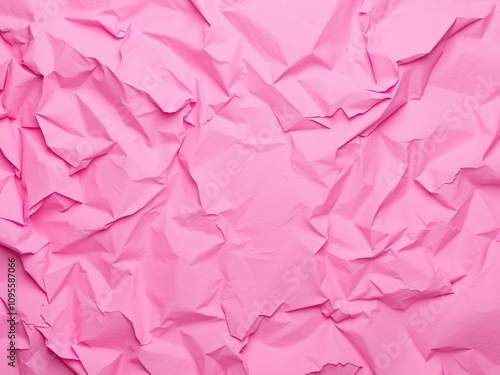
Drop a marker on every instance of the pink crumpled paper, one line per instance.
(250, 187)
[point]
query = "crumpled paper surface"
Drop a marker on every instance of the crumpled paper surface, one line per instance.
(251, 187)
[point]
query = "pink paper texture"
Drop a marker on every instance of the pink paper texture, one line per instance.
(260, 187)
